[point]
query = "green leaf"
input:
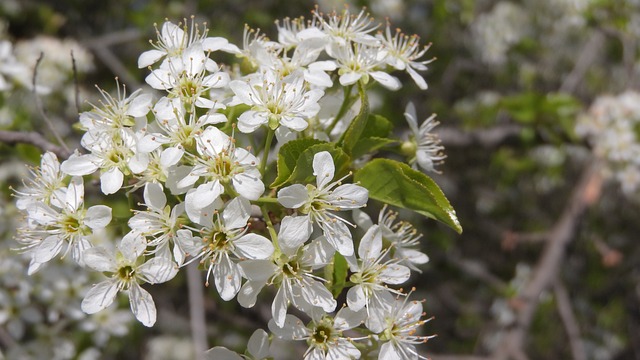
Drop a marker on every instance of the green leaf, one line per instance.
(374, 136)
(339, 276)
(350, 137)
(397, 184)
(303, 171)
(288, 157)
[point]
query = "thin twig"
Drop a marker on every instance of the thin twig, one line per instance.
(116, 66)
(585, 193)
(479, 271)
(41, 108)
(35, 139)
(589, 53)
(76, 94)
(196, 309)
(569, 320)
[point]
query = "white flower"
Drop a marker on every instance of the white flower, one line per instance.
(360, 62)
(176, 129)
(275, 102)
(189, 77)
(72, 224)
(292, 271)
(399, 331)
(224, 241)
(127, 272)
(345, 28)
(401, 51)
(323, 333)
(371, 274)
(257, 347)
(173, 40)
(423, 147)
(160, 222)
(401, 238)
(116, 113)
(221, 164)
(318, 202)
(45, 184)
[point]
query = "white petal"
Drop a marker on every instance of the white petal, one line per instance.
(154, 196)
(99, 296)
(250, 120)
(249, 293)
(294, 231)
(248, 186)
(395, 274)
(214, 43)
(236, 213)
(253, 246)
(347, 318)
(221, 353)
(140, 105)
(386, 80)
(80, 165)
(292, 328)
(323, 168)
(158, 270)
(150, 57)
(75, 194)
(99, 259)
(390, 350)
(227, 278)
(419, 80)
(338, 235)
(98, 217)
(356, 298)
(316, 294)
(142, 305)
(371, 244)
(132, 245)
(293, 196)
(111, 181)
(171, 156)
(349, 78)
(258, 270)
(349, 196)
(47, 249)
(258, 345)
(279, 307)
(413, 256)
(295, 123)
(206, 194)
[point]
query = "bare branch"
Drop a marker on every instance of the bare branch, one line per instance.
(76, 95)
(41, 108)
(585, 193)
(479, 271)
(590, 52)
(196, 309)
(35, 139)
(569, 320)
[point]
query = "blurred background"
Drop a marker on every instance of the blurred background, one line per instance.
(540, 120)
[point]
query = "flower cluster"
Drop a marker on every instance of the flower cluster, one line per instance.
(198, 157)
(611, 126)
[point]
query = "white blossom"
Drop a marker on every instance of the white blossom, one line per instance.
(127, 273)
(317, 203)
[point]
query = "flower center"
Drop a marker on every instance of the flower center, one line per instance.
(126, 273)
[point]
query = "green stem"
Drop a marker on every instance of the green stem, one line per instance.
(343, 108)
(266, 200)
(265, 155)
(272, 230)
